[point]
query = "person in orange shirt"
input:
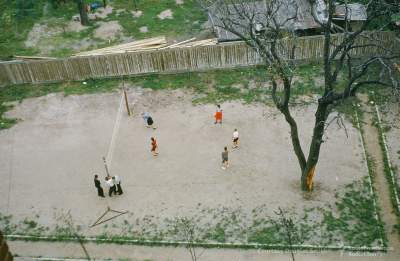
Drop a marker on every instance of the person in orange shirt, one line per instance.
(218, 115)
(154, 146)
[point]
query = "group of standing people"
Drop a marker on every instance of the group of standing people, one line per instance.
(113, 183)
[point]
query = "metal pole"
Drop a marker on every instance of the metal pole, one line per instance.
(126, 98)
(105, 166)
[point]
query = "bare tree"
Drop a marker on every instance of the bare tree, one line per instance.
(289, 229)
(263, 24)
(66, 218)
(187, 228)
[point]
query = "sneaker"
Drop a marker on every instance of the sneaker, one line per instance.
(223, 168)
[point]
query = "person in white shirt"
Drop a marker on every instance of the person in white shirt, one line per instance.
(235, 138)
(117, 181)
(112, 188)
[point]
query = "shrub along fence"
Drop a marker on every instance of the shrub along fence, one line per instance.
(219, 56)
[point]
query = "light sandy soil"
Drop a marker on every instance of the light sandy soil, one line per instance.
(75, 26)
(46, 38)
(108, 30)
(41, 36)
(101, 12)
(137, 13)
(143, 29)
(166, 14)
(40, 31)
(49, 158)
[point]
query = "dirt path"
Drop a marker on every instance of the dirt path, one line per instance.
(73, 251)
(371, 137)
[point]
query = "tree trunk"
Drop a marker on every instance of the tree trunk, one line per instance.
(294, 135)
(104, 3)
(82, 12)
(313, 155)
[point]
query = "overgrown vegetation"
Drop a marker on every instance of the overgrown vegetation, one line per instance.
(358, 221)
(16, 20)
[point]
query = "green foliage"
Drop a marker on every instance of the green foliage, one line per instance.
(16, 20)
(24, 8)
(6, 123)
(395, 17)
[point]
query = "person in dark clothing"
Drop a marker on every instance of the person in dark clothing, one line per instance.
(224, 154)
(148, 120)
(97, 184)
(117, 181)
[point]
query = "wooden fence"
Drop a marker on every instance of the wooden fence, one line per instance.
(227, 55)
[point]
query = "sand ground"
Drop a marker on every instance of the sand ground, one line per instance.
(48, 159)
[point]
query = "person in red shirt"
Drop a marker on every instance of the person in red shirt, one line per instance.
(154, 146)
(218, 115)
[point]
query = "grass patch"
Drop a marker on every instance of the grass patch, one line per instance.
(186, 21)
(357, 220)
(16, 20)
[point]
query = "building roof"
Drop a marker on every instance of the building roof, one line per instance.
(303, 21)
(355, 12)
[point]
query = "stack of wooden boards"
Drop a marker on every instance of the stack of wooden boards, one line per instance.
(156, 43)
(141, 45)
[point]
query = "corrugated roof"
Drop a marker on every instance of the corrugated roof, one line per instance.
(304, 19)
(355, 12)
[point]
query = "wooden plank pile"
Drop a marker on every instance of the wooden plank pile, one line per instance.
(136, 46)
(192, 43)
(156, 43)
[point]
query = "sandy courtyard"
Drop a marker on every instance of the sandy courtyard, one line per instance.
(48, 159)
